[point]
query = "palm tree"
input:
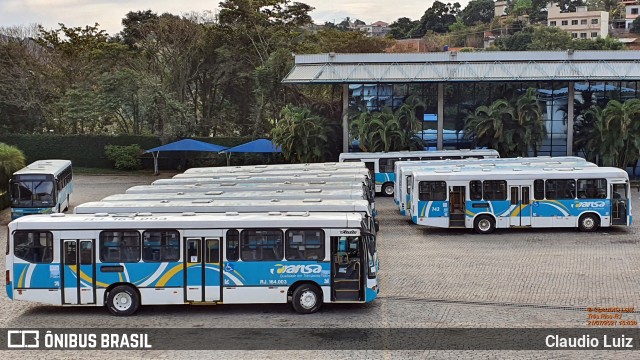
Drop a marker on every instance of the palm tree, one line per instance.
(589, 133)
(529, 116)
(486, 125)
(11, 160)
(621, 138)
(302, 135)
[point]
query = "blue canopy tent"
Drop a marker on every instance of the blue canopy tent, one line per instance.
(183, 145)
(255, 146)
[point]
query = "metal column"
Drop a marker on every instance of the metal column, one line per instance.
(440, 115)
(570, 103)
(345, 118)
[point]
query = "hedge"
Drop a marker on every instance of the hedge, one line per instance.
(88, 150)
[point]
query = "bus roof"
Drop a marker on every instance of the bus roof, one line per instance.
(236, 194)
(273, 172)
(436, 153)
(53, 167)
(217, 206)
(264, 178)
(472, 161)
(247, 186)
(62, 221)
(521, 173)
(277, 166)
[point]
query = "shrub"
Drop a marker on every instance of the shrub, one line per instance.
(124, 157)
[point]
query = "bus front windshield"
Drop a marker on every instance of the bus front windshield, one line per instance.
(32, 191)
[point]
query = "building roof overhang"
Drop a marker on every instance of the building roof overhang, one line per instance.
(465, 67)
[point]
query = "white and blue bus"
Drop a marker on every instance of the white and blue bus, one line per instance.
(42, 187)
(338, 194)
(405, 169)
(363, 179)
(381, 165)
(123, 262)
(236, 205)
(486, 199)
(292, 167)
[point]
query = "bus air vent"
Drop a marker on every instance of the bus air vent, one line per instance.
(256, 171)
(317, 182)
(274, 213)
(287, 182)
(180, 193)
(313, 191)
(488, 170)
(144, 214)
(188, 214)
(228, 184)
(324, 175)
(57, 215)
(244, 177)
(442, 170)
(279, 191)
(275, 200)
(201, 201)
(232, 213)
(312, 200)
(297, 213)
(164, 201)
(217, 192)
(100, 214)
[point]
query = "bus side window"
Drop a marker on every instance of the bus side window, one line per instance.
(475, 190)
(538, 189)
(233, 245)
(33, 246)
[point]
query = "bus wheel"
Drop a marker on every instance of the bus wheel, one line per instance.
(484, 224)
(387, 189)
(588, 222)
(307, 299)
(123, 300)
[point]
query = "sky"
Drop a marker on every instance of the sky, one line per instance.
(109, 13)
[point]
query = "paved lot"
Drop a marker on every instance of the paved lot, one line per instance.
(429, 278)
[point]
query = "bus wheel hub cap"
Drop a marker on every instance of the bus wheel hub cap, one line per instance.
(308, 300)
(122, 301)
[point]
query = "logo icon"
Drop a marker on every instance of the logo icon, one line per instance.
(592, 204)
(23, 339)
(228, 267)
(295, 269)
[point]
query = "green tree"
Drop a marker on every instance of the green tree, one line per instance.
(550, 38)
(403, 28)
(512, 129)
(529, 115)
(302, 135)
(438, 18)
(11, 160)
(635, 25)
(478, 11)
(520, 41)
(620, 145)
(331, 40)
(588, 131)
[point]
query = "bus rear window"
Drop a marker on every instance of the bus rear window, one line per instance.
(33, 246)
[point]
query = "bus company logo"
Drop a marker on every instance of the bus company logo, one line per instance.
(23, 339)
(295, 269)
(591, 204)
(348, 232)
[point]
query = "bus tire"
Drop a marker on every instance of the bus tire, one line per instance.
(306, 299)
(484, 224)
(123, 300)
(588, 223)
(387, 189)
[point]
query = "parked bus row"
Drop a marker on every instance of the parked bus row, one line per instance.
(509, 193)
(302, 235)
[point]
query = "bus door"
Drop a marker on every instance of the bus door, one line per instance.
(457, 207)
(520, 205)
(202, 269)
(78, 273)
(619, 210)
(348, 268)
